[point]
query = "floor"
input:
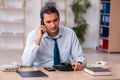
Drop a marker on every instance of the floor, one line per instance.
(95, 55)
(6, 57)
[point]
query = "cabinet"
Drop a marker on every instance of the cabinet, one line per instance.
(109, 35)
(62, 7)
(12, 24)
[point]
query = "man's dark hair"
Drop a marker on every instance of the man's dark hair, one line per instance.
(48, 9)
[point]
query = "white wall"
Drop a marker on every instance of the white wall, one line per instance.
(92, 18)
(32, 15)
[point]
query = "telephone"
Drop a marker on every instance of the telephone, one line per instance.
(64, 67)
(49, 68)
(10, 67)
(102, 64)
(42, 23)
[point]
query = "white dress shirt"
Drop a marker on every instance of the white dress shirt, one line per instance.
(42, 55)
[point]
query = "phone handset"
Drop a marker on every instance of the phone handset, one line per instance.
(102, 64)
(42, 23)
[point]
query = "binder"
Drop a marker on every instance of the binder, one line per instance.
(105, 20)
(102, 20)
(101, 7)
(105, 44)
(104, 32)
(106, 8)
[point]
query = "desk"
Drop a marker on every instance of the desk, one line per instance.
(60, 75)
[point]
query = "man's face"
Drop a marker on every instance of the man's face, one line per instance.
(51, 22)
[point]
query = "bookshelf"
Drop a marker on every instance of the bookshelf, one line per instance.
(12, 24)
(109, 32)
(62, 7)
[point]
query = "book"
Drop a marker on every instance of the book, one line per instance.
(97, 71)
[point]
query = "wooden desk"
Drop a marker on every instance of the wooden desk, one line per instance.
(59, 75)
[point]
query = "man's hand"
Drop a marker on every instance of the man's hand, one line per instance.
(77, 66)
(39, 30)
(39, 33)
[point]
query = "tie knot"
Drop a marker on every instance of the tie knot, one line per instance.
(54, 39)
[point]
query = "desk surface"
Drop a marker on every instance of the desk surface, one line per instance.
(60, 75)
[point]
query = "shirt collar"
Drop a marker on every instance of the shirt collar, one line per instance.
(60, 33)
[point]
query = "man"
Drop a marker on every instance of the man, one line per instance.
(39, 49)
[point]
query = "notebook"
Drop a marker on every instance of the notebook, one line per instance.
(97, 71)
(28, 74)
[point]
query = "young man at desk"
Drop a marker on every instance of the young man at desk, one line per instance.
(51, 44)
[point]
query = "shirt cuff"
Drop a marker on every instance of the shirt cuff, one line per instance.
(35, 47)
(84, 64)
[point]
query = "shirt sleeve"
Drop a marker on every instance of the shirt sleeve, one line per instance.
(77, 53)
(30, 50)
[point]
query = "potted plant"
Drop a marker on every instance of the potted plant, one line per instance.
(79, 7)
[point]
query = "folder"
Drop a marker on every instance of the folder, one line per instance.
(28, 74)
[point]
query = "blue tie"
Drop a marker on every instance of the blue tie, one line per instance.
(56, 53)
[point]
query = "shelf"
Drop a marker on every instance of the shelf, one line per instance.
(12, 22)
(109, 28)
(11, 8)
(11, 36)
(106, 38)
(107, 14)
(104, 26)
(105, 1)
(12, 25)
(11, 49)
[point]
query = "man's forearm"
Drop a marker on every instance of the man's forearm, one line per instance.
(37, 40)
(29, 54)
